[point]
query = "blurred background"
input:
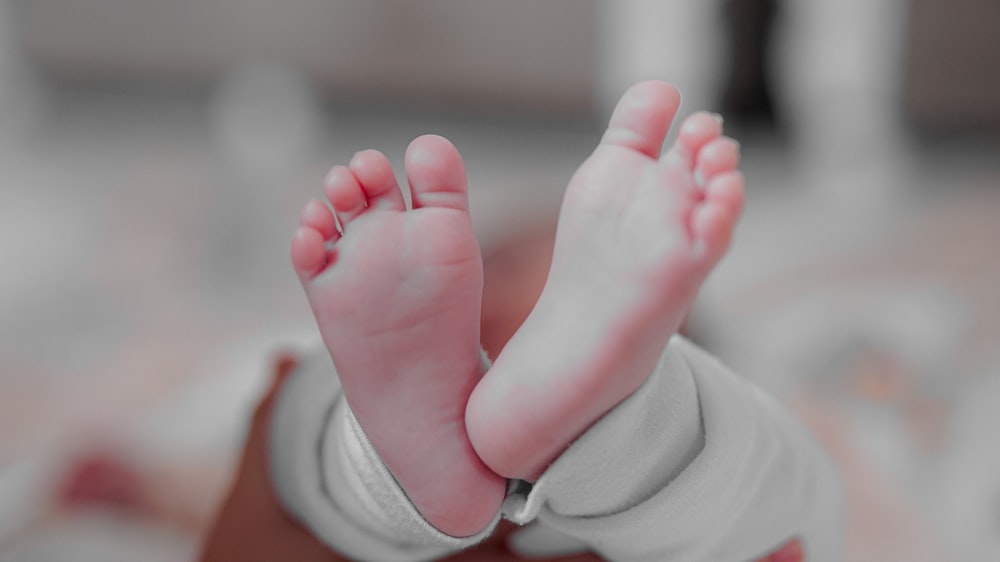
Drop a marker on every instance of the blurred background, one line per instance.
(154, 157)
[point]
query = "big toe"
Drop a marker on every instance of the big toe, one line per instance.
(642, 117)
(436, 174)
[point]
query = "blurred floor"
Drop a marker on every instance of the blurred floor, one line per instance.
(146, 281)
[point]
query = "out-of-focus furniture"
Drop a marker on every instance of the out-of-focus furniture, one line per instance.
(953, 64)
(480, 53)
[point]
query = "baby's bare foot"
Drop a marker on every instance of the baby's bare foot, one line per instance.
(397, 300)
(637, 236)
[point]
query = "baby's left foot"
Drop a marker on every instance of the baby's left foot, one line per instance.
(637, 236)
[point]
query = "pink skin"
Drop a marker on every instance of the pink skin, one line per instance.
(397, 299)
(637, 236)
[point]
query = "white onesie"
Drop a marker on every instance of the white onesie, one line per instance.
(697, 465)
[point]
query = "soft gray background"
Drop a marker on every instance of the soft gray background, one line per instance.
(154, 157)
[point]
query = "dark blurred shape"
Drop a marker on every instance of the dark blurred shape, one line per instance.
(747, 95)
(953, 66)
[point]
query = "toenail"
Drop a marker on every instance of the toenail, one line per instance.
(357, 159)
(419, 153)
(699, 178)
(718, 118)
(331, 176)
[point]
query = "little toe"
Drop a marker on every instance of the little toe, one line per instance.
(318, 216)
(308, 251)
(696, 131)
(642, 118)
(344, 193)
(374, 173)
(436, 174)
(717, 156)
(727, 190)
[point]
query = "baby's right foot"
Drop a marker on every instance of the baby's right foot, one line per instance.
(397, 300)
(637, 236)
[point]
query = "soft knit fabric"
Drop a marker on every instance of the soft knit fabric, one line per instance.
(697, 464)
